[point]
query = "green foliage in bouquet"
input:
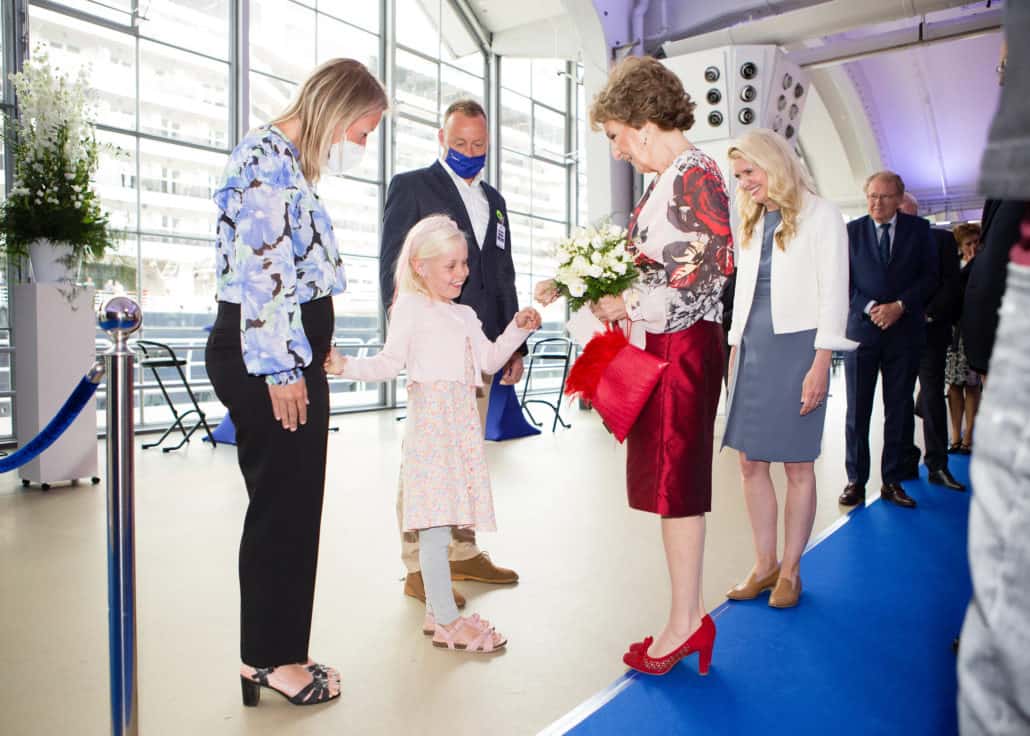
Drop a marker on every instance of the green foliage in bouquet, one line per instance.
(56, 155)
(593, 262)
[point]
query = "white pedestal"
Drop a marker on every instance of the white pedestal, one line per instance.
(54, 348)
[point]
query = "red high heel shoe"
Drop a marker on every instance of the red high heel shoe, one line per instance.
(701, 641)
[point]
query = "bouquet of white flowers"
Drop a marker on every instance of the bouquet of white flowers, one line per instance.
(593, 262)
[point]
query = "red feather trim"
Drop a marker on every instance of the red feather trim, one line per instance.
(586, 372)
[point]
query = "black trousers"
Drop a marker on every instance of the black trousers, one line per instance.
(284, 473)
(932, 406)
(896, 358)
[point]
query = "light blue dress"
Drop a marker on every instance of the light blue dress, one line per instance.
(765, 395)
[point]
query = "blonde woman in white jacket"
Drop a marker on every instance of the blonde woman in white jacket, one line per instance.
(790, 309)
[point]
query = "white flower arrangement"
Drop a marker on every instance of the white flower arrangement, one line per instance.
(593, 262)
(56, 155)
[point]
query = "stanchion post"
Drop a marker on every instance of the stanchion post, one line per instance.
(120, 317)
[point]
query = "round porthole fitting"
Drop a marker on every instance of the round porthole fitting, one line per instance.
(715, 118)
(712, 74)
(714, 96)
(748, 70)
(746, 116)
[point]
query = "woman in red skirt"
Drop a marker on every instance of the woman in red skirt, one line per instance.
(680, 236)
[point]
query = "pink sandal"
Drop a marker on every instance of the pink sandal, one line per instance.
(481, 643)
(429, 623)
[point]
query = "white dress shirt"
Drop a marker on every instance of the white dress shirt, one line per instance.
(893, 222)
(474, 198)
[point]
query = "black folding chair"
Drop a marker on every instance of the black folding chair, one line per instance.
(549, 350)
(157, 356)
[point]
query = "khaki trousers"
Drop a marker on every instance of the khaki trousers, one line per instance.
(463, 541)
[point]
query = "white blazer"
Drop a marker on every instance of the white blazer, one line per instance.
(428, 337)
(810, 279)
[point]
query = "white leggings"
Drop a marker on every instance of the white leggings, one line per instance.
(436, 573)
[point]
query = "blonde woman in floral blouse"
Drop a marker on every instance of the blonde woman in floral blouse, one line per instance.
(278, 265)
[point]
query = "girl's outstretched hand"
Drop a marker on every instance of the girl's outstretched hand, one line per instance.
(528, 319)
(334, 362)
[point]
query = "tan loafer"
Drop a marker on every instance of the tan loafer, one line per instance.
(414, 587)
(482, 570)
(753, 587)
(786, 593)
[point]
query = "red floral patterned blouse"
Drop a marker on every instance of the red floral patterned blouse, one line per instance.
(679, 233)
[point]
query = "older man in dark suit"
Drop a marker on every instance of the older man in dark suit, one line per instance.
(453, 185)
(893, 275)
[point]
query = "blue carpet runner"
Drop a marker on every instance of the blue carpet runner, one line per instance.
(868, 651)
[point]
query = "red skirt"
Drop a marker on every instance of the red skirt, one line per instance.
(669, 449)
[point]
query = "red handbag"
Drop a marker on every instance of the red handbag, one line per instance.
(616, 378)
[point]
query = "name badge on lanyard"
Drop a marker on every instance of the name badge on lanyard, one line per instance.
(501, 230)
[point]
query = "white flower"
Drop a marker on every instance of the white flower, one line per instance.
(595, 271)
(620, 268)
(577, 288)
(579, 265)
(596, 257)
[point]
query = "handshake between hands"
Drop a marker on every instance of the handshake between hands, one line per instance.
(526, 319)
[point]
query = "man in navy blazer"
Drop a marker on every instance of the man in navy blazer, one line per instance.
(893, 275)
(453, 186)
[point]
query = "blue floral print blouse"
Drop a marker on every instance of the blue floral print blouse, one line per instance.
(275, 251)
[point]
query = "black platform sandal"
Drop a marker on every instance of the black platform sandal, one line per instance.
(315, 692)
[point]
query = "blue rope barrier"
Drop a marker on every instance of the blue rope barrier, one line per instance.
(61, 421)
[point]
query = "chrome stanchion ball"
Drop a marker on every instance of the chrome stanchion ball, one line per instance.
(120, 316)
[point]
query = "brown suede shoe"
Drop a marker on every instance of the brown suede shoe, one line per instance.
(482, 570)
(414, 587)
(786, 593)
(753, 587)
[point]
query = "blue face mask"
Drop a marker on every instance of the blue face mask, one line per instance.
(465, 166)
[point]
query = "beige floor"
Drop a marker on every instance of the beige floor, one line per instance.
(593, 579)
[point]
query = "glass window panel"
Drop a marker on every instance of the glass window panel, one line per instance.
(354, 209)
(115, 274)
(418, 22)
(268, 98)
(198, 25)
(357, 309)
(5, 307)
(116, 179)
(415, 145)
(172, 82)
(455, 85)
(516, 121)
(336, 39)
(417, 87)
(280, 34)
(548, 190)
(550, 80)
(516, 181)
(176, 185)
(109, 55)
(545, 240)
(521, 243)
(548, 133)
(178, 287)
(517, 75)
(120, 11)
(5, 363)
(364, 14)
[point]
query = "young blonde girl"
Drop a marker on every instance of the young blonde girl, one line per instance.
(444, 473)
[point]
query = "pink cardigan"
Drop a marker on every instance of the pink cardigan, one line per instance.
(428, 336)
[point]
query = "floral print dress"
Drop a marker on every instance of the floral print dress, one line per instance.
(445, 478)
